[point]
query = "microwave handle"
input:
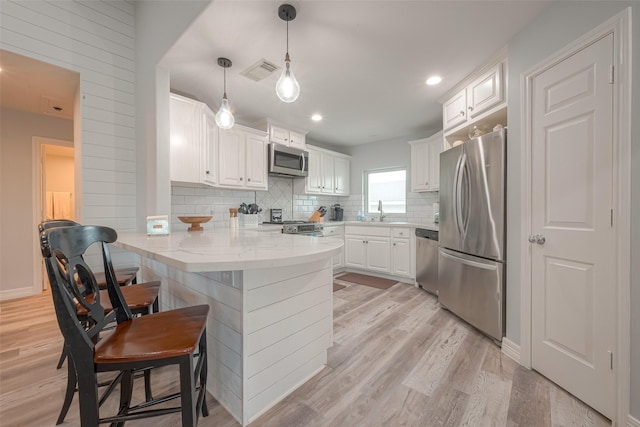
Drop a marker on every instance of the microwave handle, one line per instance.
(304, 162)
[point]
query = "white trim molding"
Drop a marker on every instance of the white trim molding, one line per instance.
(9, 294)
(620, 26)
(511, 349)
(632, 421)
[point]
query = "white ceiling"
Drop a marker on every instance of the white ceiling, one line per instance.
(37, 87)
(361, 64)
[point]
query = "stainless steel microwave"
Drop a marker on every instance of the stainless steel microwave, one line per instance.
(288, 161)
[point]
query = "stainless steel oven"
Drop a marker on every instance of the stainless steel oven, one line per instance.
(288, 161)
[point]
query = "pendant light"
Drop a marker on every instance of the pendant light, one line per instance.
(224, 118)
(287, 87)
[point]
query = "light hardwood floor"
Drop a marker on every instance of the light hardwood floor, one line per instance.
(398, 360)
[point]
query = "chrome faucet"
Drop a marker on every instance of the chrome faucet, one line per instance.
(382, 215)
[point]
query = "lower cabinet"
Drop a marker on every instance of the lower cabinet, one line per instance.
(401, 257)
(368, 248)
(335, 232)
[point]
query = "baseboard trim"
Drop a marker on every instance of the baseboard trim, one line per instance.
(511, 349)
(632, 421)
(16, 293)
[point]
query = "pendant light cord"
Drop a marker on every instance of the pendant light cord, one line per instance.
(224, 79)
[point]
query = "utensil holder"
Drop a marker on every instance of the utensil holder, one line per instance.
(248, 220)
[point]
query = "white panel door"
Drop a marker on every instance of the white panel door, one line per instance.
(355, 251)
(454, 111)
(435, 148)
(256, 161)
(210, 141)
(341, 175)
(486, 91)
(379, 254)
(401, 251)
(573, 276)
(420, 166)
(326, 163)
(314, 179)
(185, 139)
(231, 158)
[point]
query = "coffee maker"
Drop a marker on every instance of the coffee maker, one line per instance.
(337, 212)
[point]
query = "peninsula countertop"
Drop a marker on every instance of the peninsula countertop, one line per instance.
(228, 249)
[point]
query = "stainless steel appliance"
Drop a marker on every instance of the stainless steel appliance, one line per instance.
(427, 259)
(288, 161)
(302, 227)
(275, 215)
(337, 213)
(471, 261)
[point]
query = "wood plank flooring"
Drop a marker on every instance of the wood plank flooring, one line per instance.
(398, 360)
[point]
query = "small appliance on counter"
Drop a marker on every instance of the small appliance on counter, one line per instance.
(275, 216)
(337, 212)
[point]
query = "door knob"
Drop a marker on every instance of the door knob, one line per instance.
(537, 238)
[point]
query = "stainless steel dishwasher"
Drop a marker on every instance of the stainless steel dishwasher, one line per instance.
(427, 259)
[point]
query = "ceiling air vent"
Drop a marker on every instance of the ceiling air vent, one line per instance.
(260, 70)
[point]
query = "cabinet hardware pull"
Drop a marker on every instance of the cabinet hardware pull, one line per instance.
(462, 113)
(470, 108)
(240, 178)
(207, 172)
(248, 179)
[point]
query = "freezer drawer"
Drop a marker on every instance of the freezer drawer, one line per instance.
(473, 289)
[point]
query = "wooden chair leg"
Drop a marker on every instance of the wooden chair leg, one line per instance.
(63, 355)
(187, 390)
(71, 390)
(203, 374)
(147, 385)
(88, 401)
(126, 391)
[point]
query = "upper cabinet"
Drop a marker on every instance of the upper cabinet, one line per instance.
(186, 139)
(329, 173)
(242, 158)
(479, 99)
(425, 163)
(201, 153)
(289, 137)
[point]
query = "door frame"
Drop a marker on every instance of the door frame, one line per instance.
(619, 26)
(36, 197)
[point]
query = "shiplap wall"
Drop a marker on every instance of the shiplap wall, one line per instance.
(96, 39)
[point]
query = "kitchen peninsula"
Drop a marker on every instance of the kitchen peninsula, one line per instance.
(270, 294)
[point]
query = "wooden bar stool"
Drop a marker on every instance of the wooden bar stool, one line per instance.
(141, 299)
(175, 337)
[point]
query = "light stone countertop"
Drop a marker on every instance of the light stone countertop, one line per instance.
(228, 249)
(393, 224)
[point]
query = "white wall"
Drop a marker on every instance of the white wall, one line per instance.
(17, 129)
(158, 24)
(557, 26)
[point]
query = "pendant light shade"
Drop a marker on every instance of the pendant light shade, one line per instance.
(287, 87)
(224, 118)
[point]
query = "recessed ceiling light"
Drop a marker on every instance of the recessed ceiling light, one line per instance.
(316, 117)
(434, 80)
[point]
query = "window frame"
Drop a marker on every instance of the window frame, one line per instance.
(366, 188)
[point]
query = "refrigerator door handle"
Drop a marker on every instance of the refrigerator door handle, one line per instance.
(458, 193)
(457, 257)
(465, 194)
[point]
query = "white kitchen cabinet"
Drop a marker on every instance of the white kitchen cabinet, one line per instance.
(186, 139)
(401, 252)
(289, 137)
(329, 173)
(480, 99)
(335, 232)
(341, 173)
(368, 248)
(425, 163)
(210, 141)
(326, 166)
(242, 158)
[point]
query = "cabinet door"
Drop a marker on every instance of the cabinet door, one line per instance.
(185, 119)
(231, 158)
(454, 111)
(485, 92)
(420, 167)
(342, 170)
(296, 139)
(256, 161)
(435, 148)
(314, 179)
(210, 130)
(378, 254)
(278, 134)
(355, 251)
(401, 253)
(326, 163)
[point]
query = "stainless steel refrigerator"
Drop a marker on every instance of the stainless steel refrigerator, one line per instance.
(471, 258)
